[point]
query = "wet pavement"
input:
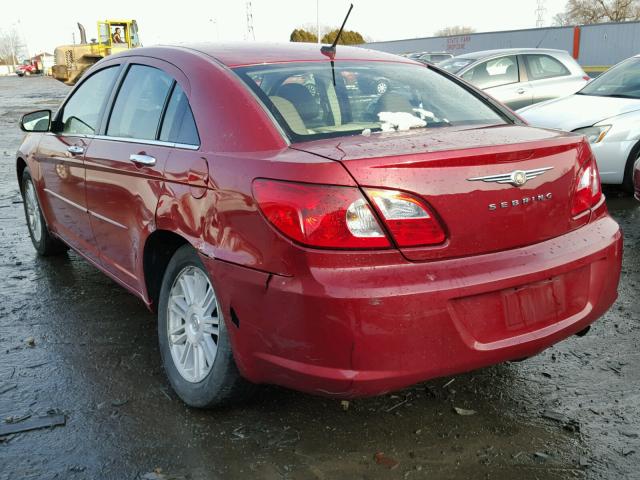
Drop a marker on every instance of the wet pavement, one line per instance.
(74, 343)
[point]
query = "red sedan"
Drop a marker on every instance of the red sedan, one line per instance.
(291, 225)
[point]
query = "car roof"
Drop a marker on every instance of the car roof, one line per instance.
(499, 51)
(237, 54)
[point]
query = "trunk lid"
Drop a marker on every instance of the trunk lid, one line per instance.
(478, 216)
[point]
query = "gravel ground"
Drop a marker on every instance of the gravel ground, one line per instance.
(74, 343)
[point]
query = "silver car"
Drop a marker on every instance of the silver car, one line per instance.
(519, 77)
(432, 58)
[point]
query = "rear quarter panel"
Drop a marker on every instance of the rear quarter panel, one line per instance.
(239, 142)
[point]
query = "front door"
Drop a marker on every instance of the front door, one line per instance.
(500, 77)
(61, 156)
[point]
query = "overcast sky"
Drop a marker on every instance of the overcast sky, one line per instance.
(47, 23)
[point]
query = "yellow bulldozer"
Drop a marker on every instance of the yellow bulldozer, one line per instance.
(114, 36)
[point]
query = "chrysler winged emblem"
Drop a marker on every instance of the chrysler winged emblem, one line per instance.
(517, 178)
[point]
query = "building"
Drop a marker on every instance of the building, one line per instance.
(44, 62)
(596, 47)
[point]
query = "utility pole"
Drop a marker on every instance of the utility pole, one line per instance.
(318, 20)
(12, 46)
(250, 33)
(540, 11)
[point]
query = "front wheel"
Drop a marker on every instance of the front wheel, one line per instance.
(627, 182)
(44, 243)
(194, 342)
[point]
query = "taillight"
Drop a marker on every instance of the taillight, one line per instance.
(588, 190)
(408, 218)
(330, 216)
(320, 215)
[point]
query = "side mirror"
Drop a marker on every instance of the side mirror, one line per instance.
(39, 121)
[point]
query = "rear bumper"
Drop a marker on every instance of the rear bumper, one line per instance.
(365, 331)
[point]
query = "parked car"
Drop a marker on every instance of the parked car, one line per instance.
(519, 77)
(432, 58)
(27, 68)
(338, 243)
(607, 112)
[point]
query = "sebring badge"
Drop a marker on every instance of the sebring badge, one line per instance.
(517, 178)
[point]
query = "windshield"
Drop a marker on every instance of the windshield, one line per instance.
(454, 65)
(367, 97)
(623, 81)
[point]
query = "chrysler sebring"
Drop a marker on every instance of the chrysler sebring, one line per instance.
(289, 227)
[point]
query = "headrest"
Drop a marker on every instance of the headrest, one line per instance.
(301, 98)
(394, 102)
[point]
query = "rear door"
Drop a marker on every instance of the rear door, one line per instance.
(548, 77)
(125, 166)
(501, 78)
(61, 155)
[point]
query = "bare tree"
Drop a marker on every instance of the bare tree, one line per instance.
(11, 47)
(584, 12)
(455, 30)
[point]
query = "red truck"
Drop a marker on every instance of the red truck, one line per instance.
(28, 68)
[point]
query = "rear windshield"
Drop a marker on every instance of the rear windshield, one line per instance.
(366, 97)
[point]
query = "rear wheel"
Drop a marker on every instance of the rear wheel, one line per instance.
(194, 342)
(44, 243)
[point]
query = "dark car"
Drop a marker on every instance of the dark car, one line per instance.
(324, 239)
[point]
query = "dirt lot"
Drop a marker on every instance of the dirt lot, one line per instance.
(73, 342)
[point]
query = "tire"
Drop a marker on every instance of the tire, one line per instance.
(209, 383)
(44, 243)
(627, 181)
(382, 86)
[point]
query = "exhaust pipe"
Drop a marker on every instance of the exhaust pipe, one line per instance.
(83, 33)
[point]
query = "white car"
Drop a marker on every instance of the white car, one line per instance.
(519, 77)
(607, 112)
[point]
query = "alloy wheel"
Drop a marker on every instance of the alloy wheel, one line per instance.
(33, 211)
(193, 322)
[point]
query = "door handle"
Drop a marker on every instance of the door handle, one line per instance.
(520, 91)
(75, 149)
(141, 159)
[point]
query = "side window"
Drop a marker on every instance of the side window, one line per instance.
(544, 66)
(494, 72)
(81, 114)
(138, 107)
(178, 125)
